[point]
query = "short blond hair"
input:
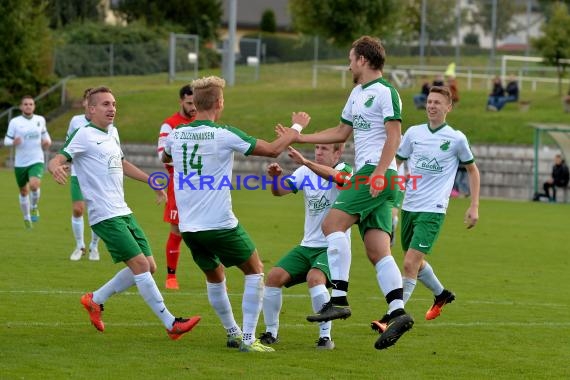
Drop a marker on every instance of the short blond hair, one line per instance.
(207, 91)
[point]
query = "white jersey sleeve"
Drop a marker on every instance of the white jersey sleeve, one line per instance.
(165, 130)
(464, 150)
(10, 134)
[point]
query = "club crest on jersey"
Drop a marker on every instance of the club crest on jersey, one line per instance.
(445, 146)
(369, 101)
(429, 164)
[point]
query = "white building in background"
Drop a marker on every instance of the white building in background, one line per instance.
(527, 26)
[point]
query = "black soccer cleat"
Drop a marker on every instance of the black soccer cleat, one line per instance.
(330, 312)
(399, 323)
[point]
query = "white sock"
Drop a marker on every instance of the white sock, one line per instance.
(25, 206)
(251, 305)
(272, 302)
(430, 280)
(77, 228)
(123, 280)
(319, 296)
(394, 224)
(339, 256)
(35, 198)
(409, 285)
(389, 278)
(151, 295)
(94, 240)
(218, 297)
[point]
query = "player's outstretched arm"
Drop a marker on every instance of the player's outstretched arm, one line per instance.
(59, 168)
(338, 134)
(273, 149)
(132, 171)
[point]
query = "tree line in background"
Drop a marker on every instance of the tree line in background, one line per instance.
(31, 30)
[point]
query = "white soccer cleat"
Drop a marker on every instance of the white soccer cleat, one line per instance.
(77, 254)
(93, 254)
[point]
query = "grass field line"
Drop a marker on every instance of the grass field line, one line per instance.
(285, 295)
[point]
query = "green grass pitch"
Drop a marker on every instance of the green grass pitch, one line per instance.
(510, 319)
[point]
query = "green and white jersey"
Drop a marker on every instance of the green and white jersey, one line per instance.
(368, 107)
(319, 195)
(32, 131)
(435, 156)
(203, 156)
(97, 157)
(77, 122)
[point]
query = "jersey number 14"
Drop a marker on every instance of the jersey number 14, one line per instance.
(195, 160)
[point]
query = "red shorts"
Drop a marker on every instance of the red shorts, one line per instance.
(170, 210)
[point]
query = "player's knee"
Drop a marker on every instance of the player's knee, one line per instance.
(315, 277)
(277, 277)
(77, 209)
(34, 184)
(152, 268)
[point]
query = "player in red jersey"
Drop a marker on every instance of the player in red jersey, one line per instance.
(185, 115)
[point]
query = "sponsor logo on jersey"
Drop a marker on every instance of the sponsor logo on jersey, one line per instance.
(114, 164)
(317, 205)
(429, 164)
(360, 123)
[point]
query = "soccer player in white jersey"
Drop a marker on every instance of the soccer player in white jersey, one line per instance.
(433, 152)
(202, 153)
(373, 114)
(319, 181)
(29, 136)
(96, 153)
(77, 202)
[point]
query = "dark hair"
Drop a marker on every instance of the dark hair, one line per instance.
(372, 50)
(186, 90)
(26, 97)
(443, 90)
